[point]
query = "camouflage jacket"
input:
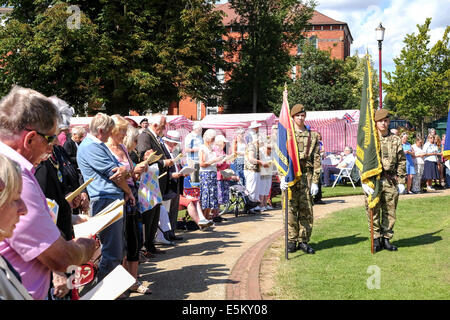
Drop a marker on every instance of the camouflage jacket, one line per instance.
(393, 158)
(309, 153)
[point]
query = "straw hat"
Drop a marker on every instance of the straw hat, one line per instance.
(254, 124)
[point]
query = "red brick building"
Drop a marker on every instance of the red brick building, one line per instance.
(327, 34)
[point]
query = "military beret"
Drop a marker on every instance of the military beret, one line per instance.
(296, 109)
(381, 114)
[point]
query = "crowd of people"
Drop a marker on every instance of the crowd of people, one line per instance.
(426, 168)
(41, 160)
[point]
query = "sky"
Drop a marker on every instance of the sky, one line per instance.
(399, 17)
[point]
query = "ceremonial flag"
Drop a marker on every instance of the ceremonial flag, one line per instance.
(348, 118)
(286, 151)
(368, 142)
(446, 151)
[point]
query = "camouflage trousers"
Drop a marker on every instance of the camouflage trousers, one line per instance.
(384, 213)
(300, 212)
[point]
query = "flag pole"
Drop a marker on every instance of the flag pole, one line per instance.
(371, 229)
(286, 203)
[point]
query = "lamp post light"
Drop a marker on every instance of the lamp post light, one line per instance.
(380, 37)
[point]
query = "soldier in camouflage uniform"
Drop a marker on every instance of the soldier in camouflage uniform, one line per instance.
(300, 211)
(393, 178)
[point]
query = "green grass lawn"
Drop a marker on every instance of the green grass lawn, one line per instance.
(339, 269)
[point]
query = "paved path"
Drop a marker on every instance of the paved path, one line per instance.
(224, 264)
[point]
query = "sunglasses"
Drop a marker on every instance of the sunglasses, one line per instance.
(49, 139)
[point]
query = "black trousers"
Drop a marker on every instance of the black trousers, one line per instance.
(150, 220)
(173, 212)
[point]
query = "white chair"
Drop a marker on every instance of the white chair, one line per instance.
(344, 173)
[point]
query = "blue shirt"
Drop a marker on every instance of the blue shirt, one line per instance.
(95, 160)
(407, 147)
(193, 141)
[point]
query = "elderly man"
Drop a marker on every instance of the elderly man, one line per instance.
(28, 131)
(192, 145)
(71, 144)
(347, 161)
(95, 160)
(151, 139)
(172, 141)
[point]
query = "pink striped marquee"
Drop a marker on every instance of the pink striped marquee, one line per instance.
(336, 131)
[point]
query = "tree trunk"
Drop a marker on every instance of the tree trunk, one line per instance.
(255, 96)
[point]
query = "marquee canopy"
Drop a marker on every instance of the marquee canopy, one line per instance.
(339, 128)
(237, 120)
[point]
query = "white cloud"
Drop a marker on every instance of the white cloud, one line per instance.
(399, 17)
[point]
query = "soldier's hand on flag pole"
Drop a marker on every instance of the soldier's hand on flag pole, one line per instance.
(367, 189)
(283, 184)
(401, 188)
(314, 189)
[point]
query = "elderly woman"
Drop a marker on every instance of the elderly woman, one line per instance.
(118, 149)
(430, 171)
(223, 183)
(130, 142)
(208, 174)
(11, 208)
(238, 148)
(418, 165)
(95, 160)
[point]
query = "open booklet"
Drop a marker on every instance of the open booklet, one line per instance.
(112, 286)
(227, 173)
(187, 170)
(100, 221)
(79, 190)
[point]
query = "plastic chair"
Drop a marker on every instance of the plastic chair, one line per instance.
(344, 173)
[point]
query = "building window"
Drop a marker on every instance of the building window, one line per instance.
(300, 47)
(294, 73)
(221, 75)
(313, 41)
(212, 110)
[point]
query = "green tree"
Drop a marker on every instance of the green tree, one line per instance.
(329, 84)
(419, 87)
(269, 29)
(126, 54)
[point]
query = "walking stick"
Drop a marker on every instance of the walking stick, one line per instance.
(371, 230)
(285, 194)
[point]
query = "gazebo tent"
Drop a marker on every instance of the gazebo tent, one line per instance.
(339, 128)
(228, 123)
(177, 122)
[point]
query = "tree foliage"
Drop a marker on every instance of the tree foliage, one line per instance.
(126, 54)
(329, 84)
(269, 29)
(420, 85)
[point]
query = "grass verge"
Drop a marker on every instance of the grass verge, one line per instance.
(343, 267)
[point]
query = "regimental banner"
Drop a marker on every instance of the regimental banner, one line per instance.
(446, 151)
(286, 151)
(368, 141)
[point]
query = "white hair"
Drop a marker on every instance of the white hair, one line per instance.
(155, 119)
(209, 135)
(100, 121)
(64, 109)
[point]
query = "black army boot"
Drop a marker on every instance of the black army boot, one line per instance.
(377, 245)
(388, 246)
(292, 247)
(306, 247)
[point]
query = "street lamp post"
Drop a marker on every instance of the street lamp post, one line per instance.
(380, 37)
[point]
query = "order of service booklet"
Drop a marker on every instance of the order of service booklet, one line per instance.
(100, 221)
